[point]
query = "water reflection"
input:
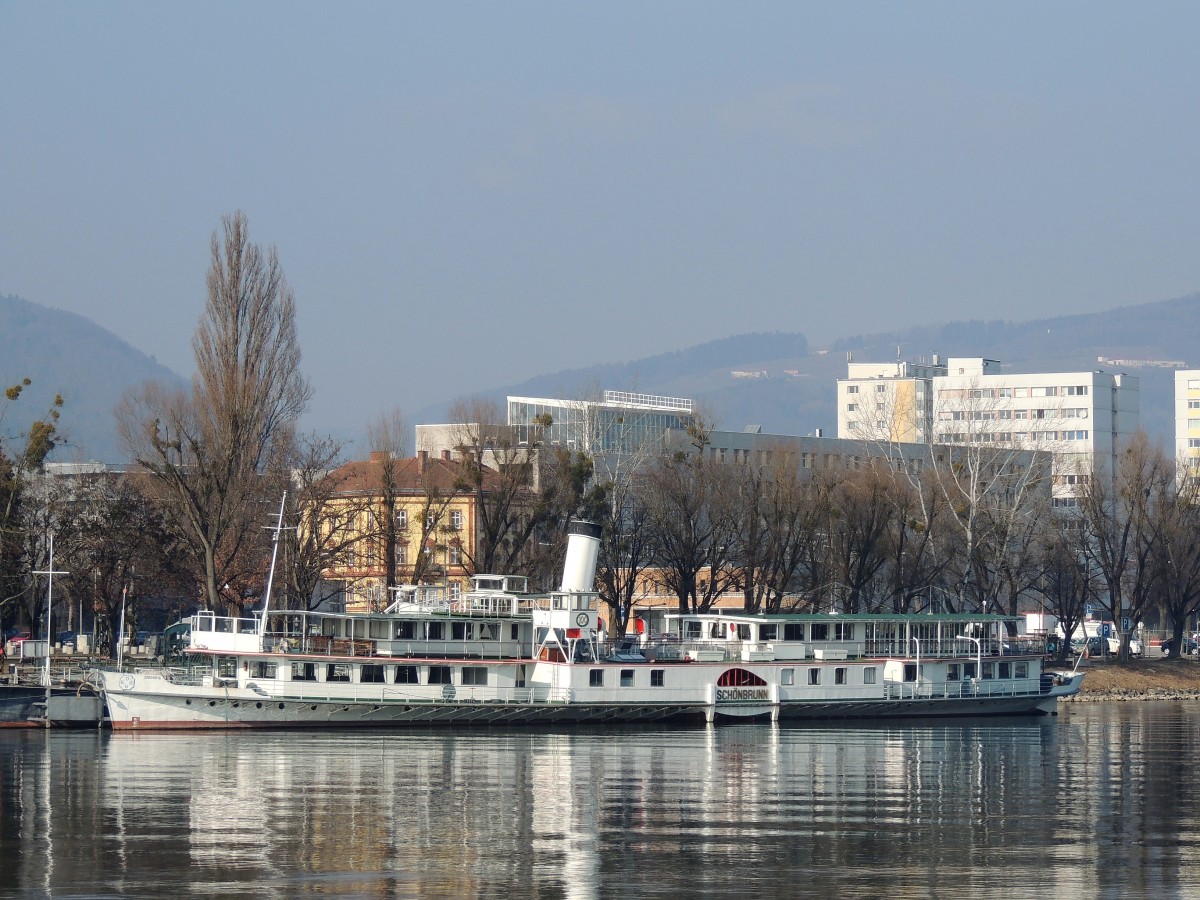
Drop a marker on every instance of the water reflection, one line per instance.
(1093, 802)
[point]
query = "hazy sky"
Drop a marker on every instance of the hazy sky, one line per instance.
(465, 195)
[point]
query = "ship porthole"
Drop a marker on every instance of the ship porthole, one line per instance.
(281, 706)
(258, 705)
(236, 705)
(212, 702)
(314, 706)
(189, 703)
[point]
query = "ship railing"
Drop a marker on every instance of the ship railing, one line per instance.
(966, 689)
(955, 648)
(350, 692)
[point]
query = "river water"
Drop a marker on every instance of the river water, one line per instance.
(1097, 802)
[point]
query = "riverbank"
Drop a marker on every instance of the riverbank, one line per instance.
(1142, 679)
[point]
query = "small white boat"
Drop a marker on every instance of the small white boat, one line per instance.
(500, 655)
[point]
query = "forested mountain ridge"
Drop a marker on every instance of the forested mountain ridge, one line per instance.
(68, 354)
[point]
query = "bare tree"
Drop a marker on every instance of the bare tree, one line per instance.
(120, 553)
(387, 437)
(693, 514)
(1119, 529)
(1175, 554)
(500, 470)
(207, 447)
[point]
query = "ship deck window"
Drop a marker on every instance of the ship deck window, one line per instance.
(793, 631)
(304, 671)
(814, 676)
(910, 671)
(820, 631)
(787, 676)
(952, 672)
(406, 630)
(1006, 670)
(989, 670)
(657, 677)
(474, 675)
(262, 669)
(767, 632)
(439, 675)
(1022, 670)
(337, 672)
(406, 675)
(596, 678)
(226, 667)
(371, 674)
(462, 631)
(869, 675)
(627, 678)
(692, 631)
(839, 675)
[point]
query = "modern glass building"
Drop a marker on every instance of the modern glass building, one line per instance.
(620, 423)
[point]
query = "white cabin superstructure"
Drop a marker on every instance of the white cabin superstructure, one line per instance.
(501, 655)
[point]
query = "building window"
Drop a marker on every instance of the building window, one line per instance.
(477, 675)
(852, 389)
(596, 678)
(1194, 404)
(656, 677)
(627, 678)
(401, 554)
(455, 554)
(851, 407)
(401, 519)
(455, 590)
(456, 519)
(1193, 442)
(430, 521)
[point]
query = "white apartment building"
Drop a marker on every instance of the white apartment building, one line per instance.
(1081, 418)
(893, 401)
(1187, 425)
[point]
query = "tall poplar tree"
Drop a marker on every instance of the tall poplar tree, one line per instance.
(206, 449)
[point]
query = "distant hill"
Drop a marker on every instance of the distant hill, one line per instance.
(776, 382)
(64, 353)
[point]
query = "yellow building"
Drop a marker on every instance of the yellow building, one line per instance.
(435, 528)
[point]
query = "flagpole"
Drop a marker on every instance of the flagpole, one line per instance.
(49, 573)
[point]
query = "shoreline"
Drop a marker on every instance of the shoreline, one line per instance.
(1145, 679)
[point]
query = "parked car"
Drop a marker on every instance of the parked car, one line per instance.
(1188, 649)
(12, 647)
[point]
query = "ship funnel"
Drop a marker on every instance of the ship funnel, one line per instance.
(583, 546)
